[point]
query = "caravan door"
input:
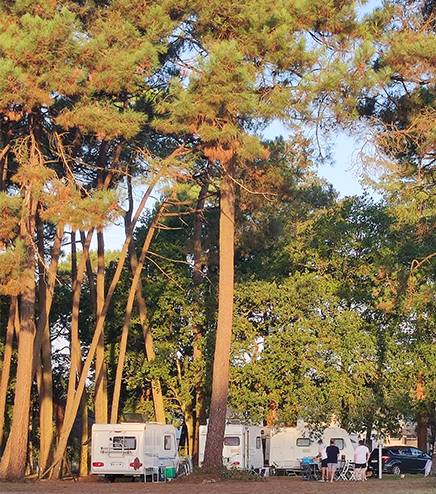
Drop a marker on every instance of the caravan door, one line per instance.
(235, 447)
(160, 448)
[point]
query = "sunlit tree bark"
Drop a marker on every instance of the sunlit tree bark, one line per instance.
(100, 368)
(7, 356)
(221, 362)
(14, 468)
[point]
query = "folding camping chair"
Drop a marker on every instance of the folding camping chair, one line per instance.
(341, 472)
(351, 473)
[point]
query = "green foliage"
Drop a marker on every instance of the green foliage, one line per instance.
(402, 115)
(300, 350)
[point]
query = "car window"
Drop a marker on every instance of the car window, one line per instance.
(374, 453)
(404, 451)
(416, 452)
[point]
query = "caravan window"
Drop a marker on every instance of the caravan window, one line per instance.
(126, 443)
(167, 442)
(232, 441)
(339, 442)
(304, 442)
(258, 442)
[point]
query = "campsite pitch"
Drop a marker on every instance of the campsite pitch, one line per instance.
(209, 484)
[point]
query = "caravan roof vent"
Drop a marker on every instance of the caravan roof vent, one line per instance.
(234, 421)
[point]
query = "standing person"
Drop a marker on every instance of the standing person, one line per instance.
(332, 458)
(322, 455)
(361, 457)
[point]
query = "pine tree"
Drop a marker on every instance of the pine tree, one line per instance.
(258, 61)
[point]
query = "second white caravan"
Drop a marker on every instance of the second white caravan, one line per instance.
(242, 447)
(289, 445)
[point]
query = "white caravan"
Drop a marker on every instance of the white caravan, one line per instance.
(289, 445)
(145, 450)
(242, 447)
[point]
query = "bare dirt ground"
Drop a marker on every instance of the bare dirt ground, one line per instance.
(209, 484)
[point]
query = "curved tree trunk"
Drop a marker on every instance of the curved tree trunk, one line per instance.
(221, 363)
(73, 405)
(6, 136)
(134, 289)
(156, 388)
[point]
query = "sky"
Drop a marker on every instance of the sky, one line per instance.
(345, 171)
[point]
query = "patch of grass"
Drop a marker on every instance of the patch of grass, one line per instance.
(407, 477)
(236, 475)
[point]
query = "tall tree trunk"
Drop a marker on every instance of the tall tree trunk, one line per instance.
(77, 275)
(84, 436)
(42, 348)
(100, 401)
(218, 407)
(422, 433)
(14, 469)
(90, 274)
(422, 426)
(7, 358)
(199, 416)
(75, 350)
(136, 269)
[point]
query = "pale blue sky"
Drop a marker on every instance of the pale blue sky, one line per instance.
(344, 173)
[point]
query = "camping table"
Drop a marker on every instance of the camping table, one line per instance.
(309, 470)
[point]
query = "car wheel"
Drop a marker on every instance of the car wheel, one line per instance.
(396, 470)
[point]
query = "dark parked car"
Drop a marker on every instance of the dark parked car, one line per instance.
(399, 459)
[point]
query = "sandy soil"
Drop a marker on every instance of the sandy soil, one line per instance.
(209, 484)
